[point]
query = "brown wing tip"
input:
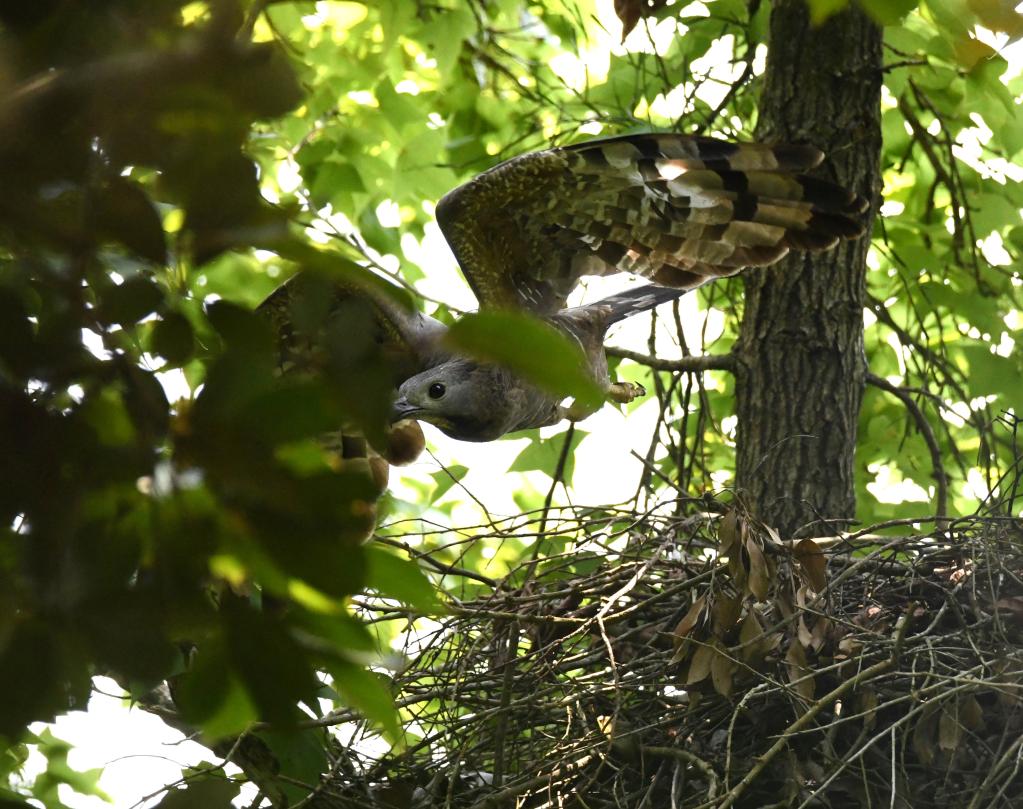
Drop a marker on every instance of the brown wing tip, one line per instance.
(801, 156)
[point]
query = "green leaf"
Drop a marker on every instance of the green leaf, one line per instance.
(888, 12)
(445, 479)
(275, 682)
(59, 773)
(820, 10)
(16, 334)
(445, 36)
(241, 328)
(368, 693)
(543, 454)
(210, 696)
(173, 338)
(401, 579)
(301, 758)
(122, 212)
(531, 348)
(211, 792)
(41, 675)
(129, 302)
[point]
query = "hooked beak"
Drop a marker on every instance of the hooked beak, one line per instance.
(402, 409)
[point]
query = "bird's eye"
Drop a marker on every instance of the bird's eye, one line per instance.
(436, 390)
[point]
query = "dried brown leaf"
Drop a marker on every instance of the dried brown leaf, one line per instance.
(699, 666)
(687, 624)
(737, 568)
(849, 646)
(803, 632)
(867, 705)
(759, 574)
(722, 669)
(726, 612)
(631, 12)
(783, 601)
(949, 728)
(819, 634)
(971, 715)
(750, 639)
(924, 734)
(728, 532)
(1013, 605)
(798, 670)
(812, 564)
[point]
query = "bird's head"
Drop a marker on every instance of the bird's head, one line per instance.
(465, 399)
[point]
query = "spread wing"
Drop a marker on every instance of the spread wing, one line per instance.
(368, 342)
(677, 209)
(314, 318)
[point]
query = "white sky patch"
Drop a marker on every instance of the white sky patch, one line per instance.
(175, 385)
(363, 97)
(994, 250)
(717, 65)
(570, 69)
(443, 281)
(674, 104)
(288, 175)
(389, 214)
(760, 59)
(93, 342)
(138, 752)
(975, 486)
(956, 413)
(889, 486)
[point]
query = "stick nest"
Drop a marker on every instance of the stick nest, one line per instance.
(702, 661)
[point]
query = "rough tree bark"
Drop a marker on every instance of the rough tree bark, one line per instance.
(800, 370)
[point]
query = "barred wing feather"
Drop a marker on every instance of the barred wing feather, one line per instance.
(675, 209)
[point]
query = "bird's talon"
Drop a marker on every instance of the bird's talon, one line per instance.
(625, 392)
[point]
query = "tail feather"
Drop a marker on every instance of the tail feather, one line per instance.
(641, 299)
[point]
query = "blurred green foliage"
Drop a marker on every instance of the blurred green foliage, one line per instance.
(166, 164)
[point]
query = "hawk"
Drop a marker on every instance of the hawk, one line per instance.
(677, 210)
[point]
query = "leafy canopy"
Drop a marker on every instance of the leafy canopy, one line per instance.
(166, 510)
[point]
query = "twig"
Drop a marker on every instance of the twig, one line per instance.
(828, 699)
(688, 365)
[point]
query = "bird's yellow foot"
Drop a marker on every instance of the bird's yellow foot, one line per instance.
(625, 392)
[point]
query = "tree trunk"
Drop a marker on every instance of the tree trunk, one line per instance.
(800, 374)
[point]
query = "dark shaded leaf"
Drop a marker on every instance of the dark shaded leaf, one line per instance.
(813, 563)
(212, 792)
(275, 681)
(173, 338)
(128, 303)
(242, 329)
(301, 759)
(41, 675)
(122, 212)
(16, 334)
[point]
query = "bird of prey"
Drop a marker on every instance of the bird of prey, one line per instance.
(674, 209)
